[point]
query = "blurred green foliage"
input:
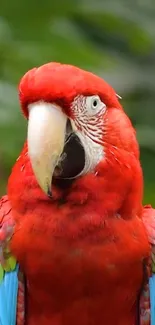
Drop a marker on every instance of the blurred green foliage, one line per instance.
(115, 39)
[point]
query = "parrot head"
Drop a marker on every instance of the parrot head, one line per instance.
(78, 133)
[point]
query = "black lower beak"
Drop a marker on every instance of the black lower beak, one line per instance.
(72, 160)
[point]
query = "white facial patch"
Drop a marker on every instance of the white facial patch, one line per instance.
(88, 125)
(94, 152)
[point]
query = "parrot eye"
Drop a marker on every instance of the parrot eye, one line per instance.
(95, 105)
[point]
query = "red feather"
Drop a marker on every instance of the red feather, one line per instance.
(49, 83)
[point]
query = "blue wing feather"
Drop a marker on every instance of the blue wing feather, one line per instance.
(8, 298)
(149, 222)
(152, 298)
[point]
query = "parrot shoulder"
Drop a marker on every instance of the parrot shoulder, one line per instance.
(7, 261)
(11, 284)
(149, 222)
(147, 301)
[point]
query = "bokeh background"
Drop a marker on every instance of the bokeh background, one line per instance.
(113, 38)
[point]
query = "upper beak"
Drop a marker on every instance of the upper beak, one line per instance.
(46, 137)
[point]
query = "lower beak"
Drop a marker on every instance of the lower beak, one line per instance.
(46, 137)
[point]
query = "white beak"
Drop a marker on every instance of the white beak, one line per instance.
(46, 137)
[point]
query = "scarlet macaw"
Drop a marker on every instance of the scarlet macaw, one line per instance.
(73, 217)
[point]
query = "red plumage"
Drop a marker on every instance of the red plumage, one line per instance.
(83, 257)
(61, 83)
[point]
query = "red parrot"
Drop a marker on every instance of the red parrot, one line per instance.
(73, 218)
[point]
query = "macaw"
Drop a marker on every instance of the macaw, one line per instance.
(76, 244)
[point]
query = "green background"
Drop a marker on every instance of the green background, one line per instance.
(115, 39)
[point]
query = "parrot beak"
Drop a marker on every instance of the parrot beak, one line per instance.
(46, 137)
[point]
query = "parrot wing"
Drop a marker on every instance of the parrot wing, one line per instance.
(7, 262)
(11, 286)
(147, 299)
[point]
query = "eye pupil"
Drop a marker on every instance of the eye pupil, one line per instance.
(95, 103)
